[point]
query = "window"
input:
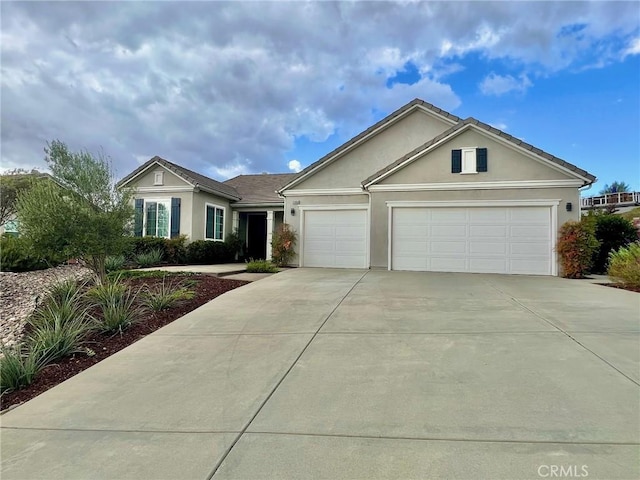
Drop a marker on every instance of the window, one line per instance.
(157, 218)
(214, 222)
(11, 228)
(158, 178)
(469, 160)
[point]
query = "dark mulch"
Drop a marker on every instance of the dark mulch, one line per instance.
(622, 287)
(206, 287)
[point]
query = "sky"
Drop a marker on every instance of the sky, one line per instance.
(229, 88)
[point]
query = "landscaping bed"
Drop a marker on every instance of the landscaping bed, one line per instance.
(100, 345)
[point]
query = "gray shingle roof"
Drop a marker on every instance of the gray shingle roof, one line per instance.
(516, 141)
(412, 104)
(256, 189)
(195, 178)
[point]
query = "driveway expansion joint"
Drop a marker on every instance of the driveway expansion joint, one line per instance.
(248, 424)
(567, 334)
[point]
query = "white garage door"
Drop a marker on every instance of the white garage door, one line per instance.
(475, 239)
(335, 238)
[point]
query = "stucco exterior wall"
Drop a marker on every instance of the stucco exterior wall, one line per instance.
(376, 153)
(504, 163)
(380, 212)
(170, 179)
(200, 199)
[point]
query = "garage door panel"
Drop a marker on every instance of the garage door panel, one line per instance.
(488, 231)
(472, 239)
(448, 230)
(335, 238)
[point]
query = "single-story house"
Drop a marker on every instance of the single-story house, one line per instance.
(171, 200)
(422, 189)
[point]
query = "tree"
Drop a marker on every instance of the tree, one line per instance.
(82, 214)
(615, 187)
(12, 183)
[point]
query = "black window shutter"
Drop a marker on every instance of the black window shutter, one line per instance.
(456, 161)
(481, 159)
(175, 217)
(138, 218)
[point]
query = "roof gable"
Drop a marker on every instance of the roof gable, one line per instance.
(505, 138)
(414, 105)
(195, 179)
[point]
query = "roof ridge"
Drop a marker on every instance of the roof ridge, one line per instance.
(337, 151)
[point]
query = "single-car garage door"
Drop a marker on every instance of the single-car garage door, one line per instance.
(472, 239)
(335, 238)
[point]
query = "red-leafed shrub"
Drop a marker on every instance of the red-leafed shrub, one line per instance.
(576, 246)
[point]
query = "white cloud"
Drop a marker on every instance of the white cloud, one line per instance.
(494, 84)
(294, 166)
(633, 48)
(227, 90)
(499, 125)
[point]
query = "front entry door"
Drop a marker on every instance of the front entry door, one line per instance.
(257, 235)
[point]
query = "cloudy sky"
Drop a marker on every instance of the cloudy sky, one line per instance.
(245, 87)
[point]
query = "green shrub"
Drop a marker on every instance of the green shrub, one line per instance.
(624, 265)
(206, 252)
(235, 243)
(16, 255)
(166, 295)
(117, 305)
(282, 245)
(59, 328)
(261, 266)
(173, 249)
(149, 259)
(576, 245)
(114, 263)
(66, 291)
(19, 367)
(613, 232)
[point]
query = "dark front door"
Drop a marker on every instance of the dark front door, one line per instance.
(257, 235)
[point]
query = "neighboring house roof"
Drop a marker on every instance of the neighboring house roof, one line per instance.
(473, 123)
(261, 188)
(415, 104)
(196, 179)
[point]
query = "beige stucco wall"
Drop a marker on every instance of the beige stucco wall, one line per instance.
(504, 163)
(200, 199)
(379, 151)
(379, 209)
(170, 179)
(186, 201)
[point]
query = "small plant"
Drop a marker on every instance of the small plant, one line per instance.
(283, 243)
(114, 263)
(19, 366)
(59, 328)
(261, 266)
(576, 245)
(624, 265)
(166, 296)
(117, 306)
(65, 292)
(149, 259)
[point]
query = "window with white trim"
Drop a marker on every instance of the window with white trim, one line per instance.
(214, 222)
(158, 178)
(157, 218)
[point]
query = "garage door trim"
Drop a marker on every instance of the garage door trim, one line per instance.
(354, 206)
(551, 203)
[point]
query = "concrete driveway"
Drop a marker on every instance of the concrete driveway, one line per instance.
(317, 373)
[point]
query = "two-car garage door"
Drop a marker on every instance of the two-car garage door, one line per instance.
(472, 239)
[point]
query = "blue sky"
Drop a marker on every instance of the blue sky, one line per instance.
(227, 88)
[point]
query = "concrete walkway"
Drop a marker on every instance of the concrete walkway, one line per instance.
(219, 269)
(316, 373)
